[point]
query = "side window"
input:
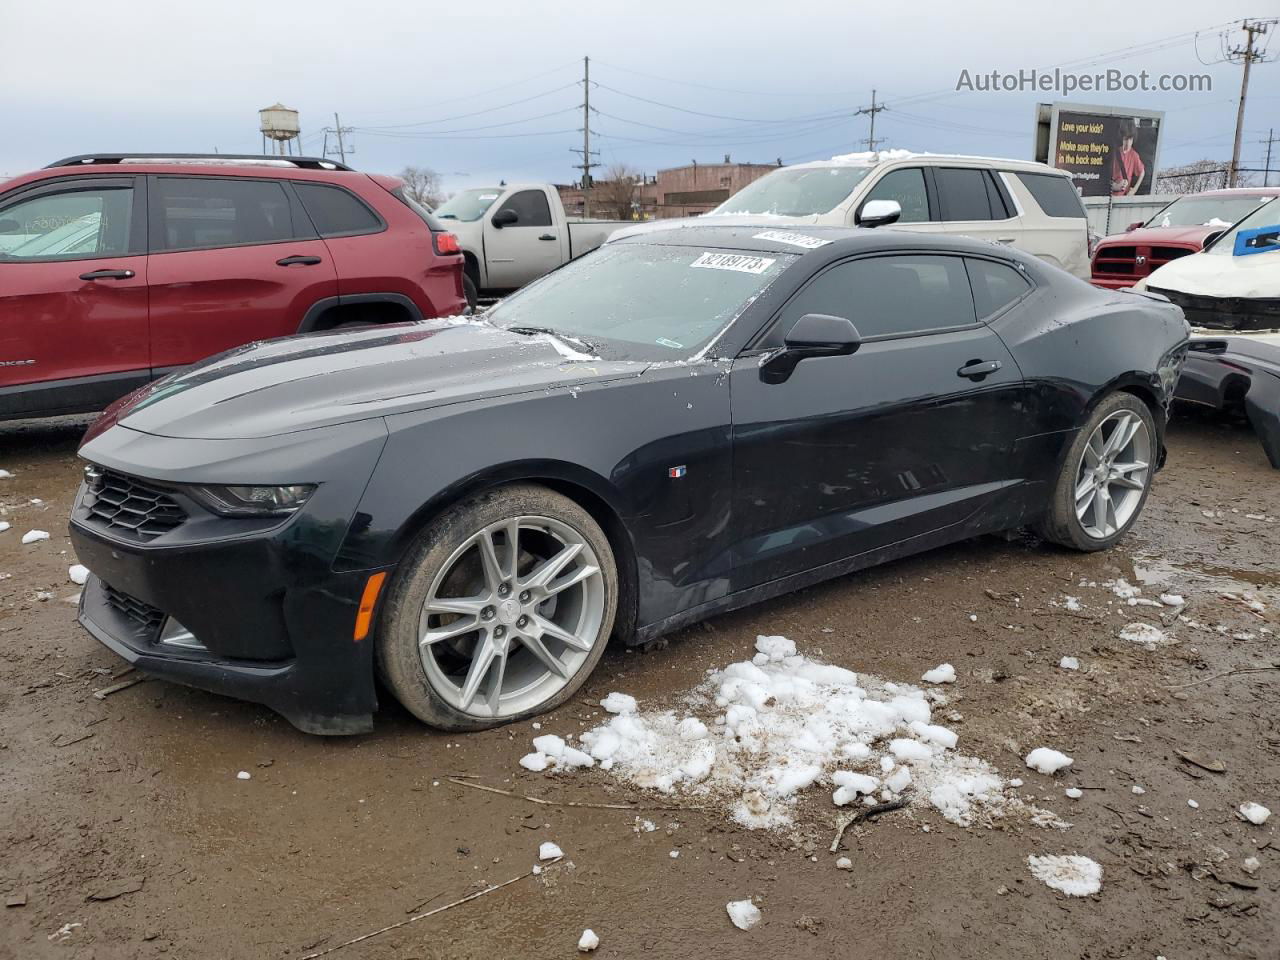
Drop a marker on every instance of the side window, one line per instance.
(963, 194)
(1001, 204)
(1055, 195)
(531, 207)
(884, 296)
(995, 285)
(76, 223)
(200, 213)
(907, 188)
(336, 212)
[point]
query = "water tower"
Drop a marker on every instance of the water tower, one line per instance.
(280, 124)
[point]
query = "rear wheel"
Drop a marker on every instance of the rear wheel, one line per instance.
(469, 291)
(500, 611)
(1105, 477)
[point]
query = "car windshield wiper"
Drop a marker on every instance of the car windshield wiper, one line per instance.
(567, 338)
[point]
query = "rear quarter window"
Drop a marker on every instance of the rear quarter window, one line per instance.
(336, 212)
(1055, 195)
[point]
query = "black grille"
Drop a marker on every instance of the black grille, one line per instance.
(128, 505)
(133, 608)
(1226, 313)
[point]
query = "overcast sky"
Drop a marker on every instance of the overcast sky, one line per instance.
(436, 84)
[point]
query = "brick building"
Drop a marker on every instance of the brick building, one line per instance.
(674, 192)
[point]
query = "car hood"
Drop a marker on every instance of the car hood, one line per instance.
(1157, 236)
(1256, 276)
(298, 383)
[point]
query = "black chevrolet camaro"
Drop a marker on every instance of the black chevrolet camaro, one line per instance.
(673, 426)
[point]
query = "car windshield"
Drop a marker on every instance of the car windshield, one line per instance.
(799, 192)
(468, 205)
(1267, 215)
(632, 301)
(1219, 211)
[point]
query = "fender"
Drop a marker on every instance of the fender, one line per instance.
(317, 309)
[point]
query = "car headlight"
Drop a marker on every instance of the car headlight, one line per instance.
(254, 501)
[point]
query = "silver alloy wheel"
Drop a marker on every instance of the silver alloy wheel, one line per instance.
(531, 615)
(1113, 474)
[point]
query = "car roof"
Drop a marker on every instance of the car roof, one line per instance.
(765, 237)
(99, 165)
(1237, 192)
(877, 158)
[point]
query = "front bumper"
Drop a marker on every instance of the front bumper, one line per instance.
(271, 633)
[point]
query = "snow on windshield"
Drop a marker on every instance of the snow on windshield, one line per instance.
(796, 191)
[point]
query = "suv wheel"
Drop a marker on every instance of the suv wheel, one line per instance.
(1105, 478)
(500, 610)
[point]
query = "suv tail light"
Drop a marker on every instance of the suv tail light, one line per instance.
(445, 243)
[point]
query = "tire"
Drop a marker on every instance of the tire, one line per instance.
(1082, 522)
(446, 565)
(469, 291)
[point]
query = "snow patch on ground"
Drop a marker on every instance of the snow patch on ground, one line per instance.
(35, 536)
(743, 913)
(944, 673)
(1147, 635)
(78, 574)
(1255, 813)
(588, 941)
(1073, 875)
(758, 733)
(1045, 760)
(1069, 663)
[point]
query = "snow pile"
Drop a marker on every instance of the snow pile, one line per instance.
(588, 941)
(78, 574)
(4, 525)
(1073, 875)
(1173, 599)
(35, 536)
(743, 913)
(5, 474)
(619, 703)
(1255, 813)
(1044, 760)
(869, 158)
(944, 673)
(1122, 588)
(757, 733)
(1147, 635)
(1069, 663)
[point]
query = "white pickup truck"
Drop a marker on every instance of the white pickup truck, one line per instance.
(514, 233)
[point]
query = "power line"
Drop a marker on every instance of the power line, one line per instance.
(871, 112)
(381, 132)
(714, 116)
(474, 113)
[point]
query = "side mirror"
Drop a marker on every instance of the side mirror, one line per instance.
(10, 226)
(1204, 245)
(1133, 226)
(814, 335)
(878, 213)
(505, 218)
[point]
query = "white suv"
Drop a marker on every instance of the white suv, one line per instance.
(1028, 205)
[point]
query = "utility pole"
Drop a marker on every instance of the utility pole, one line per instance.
(586, 164)
(1266, 172)
(872, 110)
(342, 150)
(1245, 55)
(338, 129)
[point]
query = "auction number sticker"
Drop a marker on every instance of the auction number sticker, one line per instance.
(794, 239)
(733, 261)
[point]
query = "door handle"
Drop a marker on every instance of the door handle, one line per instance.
(547, 236)
(979, 370)
(1005, 239)
(298, 261)
(107, 275)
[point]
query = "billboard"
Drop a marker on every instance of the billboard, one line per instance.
(1109, 151)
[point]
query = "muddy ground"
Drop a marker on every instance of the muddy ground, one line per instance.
(334, 838)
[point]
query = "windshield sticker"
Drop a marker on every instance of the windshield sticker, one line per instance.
(794, 239)
(488, 196)
(664, 342)
(734, 261)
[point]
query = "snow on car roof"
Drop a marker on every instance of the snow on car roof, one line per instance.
(870, 158)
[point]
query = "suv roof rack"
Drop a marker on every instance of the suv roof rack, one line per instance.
(304, 163)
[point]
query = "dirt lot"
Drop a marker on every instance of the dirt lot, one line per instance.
(331, 839)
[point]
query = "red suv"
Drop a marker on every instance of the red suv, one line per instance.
(115, 270)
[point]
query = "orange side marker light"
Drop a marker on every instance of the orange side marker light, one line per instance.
(368, 600)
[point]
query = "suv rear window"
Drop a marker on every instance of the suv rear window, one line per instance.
(1055, 195)
(336, 212)
(429, 218)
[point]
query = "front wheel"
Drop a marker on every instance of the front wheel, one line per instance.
(1105, 478)
(501, 609)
